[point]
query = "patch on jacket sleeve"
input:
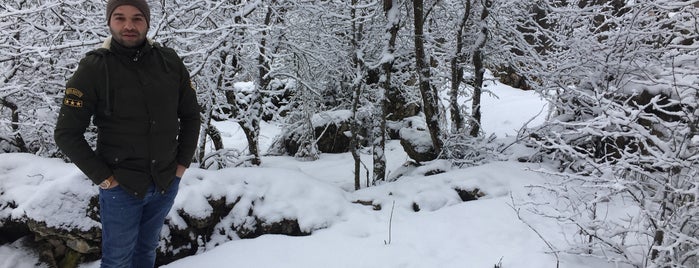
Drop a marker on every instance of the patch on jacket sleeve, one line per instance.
(74, 91)
(73, 102)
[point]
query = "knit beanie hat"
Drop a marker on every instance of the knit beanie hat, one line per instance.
(142, 5)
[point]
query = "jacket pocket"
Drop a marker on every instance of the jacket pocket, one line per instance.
(112, 155)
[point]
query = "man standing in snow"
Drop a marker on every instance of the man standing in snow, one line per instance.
(140, 97)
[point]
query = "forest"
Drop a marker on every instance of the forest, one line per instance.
(621, 78)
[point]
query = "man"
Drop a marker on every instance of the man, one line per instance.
(140, 98)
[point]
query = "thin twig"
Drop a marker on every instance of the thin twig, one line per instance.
(390, 223)
(549, 245)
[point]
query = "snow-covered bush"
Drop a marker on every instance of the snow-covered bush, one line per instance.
(623, 131)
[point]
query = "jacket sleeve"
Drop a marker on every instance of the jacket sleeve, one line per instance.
(188, 112)
(78, 105)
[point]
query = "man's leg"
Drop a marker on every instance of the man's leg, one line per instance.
(120, 214)
(154, 212)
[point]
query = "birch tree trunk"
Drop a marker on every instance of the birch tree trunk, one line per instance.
(392, 11)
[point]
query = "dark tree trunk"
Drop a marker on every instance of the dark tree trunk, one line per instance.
(477, 92)
(429, 99)
(215, 135)
(252, 133)
(211, 131)
(457, 74)
(480, 71)
(354, 143)
(357, 91)
(17, 141)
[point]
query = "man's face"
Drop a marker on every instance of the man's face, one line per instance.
(128, 26)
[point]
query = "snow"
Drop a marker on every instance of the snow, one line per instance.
(505, 110)
(294, 195)
(445, 232)
(35, 185)
(416, 133)
(336, 117)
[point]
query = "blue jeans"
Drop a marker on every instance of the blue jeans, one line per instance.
(131, 226)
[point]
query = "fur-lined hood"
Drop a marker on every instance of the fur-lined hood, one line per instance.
(108, 42)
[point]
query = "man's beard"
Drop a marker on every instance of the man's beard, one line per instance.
(128, 43)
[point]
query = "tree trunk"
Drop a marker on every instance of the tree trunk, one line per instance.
(379, 141)
(308, 148)
(201, 148)
(357, 91)
(17, 141)
(477, 92)
(429, 99)
(251, 124)
(392, 11)
(207, 128)
(354, 143)
(252, 133)
(457, 74)
(480, 72)
(215, 135)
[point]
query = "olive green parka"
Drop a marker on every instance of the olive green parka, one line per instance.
(146, 113)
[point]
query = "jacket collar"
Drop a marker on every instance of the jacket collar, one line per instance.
(134, 53)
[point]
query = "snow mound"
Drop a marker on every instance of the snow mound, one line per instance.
(45, 190)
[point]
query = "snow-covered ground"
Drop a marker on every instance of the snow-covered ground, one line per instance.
(444, 233)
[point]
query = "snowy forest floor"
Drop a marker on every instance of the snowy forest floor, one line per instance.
(446, 232)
